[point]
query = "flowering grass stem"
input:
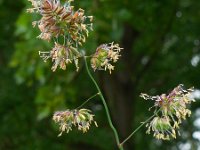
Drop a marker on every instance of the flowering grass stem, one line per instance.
(143, 123)
(105, 106)
(87, 100)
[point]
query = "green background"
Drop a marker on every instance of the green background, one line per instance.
(161, 41)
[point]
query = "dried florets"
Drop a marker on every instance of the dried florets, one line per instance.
(61, 23)
(173, 109)
(105, 55)
(61, 56)
(82, 119)
(61, 20)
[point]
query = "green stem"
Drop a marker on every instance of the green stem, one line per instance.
(87, 100)
(143, 123)
(105, 106)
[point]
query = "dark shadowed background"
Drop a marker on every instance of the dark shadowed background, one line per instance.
(161, 41)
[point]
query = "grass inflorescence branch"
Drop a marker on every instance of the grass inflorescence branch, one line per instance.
(105, 105)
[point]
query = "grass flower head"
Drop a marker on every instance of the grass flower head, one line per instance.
(105, 55)
(82, 119)
(173, 110)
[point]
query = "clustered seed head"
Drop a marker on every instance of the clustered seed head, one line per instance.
(161, 127)
(61, 56)
(173, 109)
(69, 28)
(105, 54)
(79, 118)
(61, 22)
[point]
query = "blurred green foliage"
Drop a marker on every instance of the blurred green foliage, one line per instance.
(162, 49)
